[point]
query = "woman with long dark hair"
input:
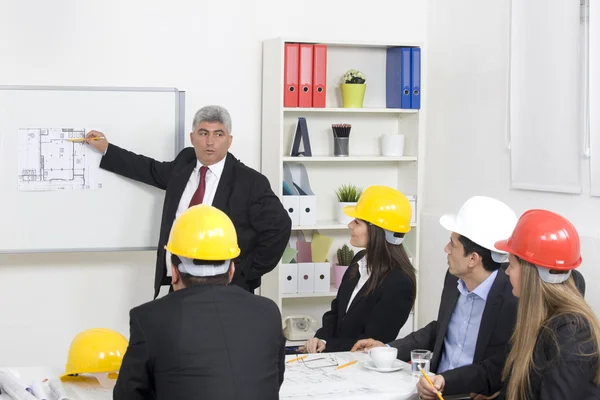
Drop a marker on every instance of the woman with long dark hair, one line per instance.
(555, 345)
(378, 290)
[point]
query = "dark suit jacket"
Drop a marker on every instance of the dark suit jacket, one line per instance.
(579, 281)
(497, 325)
(263, 226)
(204, 342)
(379, 315)
(564, 374)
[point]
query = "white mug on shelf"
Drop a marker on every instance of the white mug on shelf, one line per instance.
(392, 145)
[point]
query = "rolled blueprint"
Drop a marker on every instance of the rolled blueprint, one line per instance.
(38, 390)
(10, 385)
(57, 389)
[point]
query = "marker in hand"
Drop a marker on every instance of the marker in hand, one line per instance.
(84, 139)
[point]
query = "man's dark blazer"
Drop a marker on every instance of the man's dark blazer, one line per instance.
(379, 315)
(204, 342)
(497, 325)
(263, 226)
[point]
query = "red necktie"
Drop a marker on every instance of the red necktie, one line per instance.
(199, 193)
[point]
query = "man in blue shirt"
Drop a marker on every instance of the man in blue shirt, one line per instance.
(477, 309)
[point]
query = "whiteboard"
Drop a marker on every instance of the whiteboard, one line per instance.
(122, 214)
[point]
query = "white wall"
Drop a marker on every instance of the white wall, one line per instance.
(466, 152)
(212, 50)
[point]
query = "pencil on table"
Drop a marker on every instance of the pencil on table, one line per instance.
(347, 364)
(296, 359)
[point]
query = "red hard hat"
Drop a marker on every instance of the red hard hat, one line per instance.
(545, 239)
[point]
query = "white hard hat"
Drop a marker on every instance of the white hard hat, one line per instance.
(485, 221)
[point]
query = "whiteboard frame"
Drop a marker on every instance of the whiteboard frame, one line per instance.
(179, 145)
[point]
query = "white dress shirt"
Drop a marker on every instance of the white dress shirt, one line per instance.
(213, 176)
(364, 277)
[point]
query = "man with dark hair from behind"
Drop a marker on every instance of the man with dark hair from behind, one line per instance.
(207, 339)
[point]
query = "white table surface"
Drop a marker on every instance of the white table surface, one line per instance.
(77, 388)
(330, 384)
(351, 383)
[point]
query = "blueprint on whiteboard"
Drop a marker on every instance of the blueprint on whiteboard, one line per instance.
(49, 161)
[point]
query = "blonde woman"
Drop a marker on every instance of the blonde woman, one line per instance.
(554, 348)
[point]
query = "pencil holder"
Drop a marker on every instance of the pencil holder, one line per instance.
(341, 139)
(340, 146)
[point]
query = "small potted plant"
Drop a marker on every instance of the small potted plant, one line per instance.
(344, 255)
(347, 195)
(353, 89)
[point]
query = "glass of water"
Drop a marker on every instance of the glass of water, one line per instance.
(420, 358)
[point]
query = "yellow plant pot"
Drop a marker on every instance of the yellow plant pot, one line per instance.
(353, 94)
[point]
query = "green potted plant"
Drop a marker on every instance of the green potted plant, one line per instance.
(353, 88)
(344, 255)
(347, 195)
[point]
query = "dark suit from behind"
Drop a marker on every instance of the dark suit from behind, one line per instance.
(495, 330)
(379, 315)
(204, 342)
(263, 226)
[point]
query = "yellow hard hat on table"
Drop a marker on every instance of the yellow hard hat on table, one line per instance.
(97, 350)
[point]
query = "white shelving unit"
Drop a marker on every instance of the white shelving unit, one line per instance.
(365, 166)
(325, 226)
(371, 110)
(349, 159)
(332, 293)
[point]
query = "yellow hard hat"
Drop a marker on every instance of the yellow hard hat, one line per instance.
(384, 207)
(203, 232)
(94, 351)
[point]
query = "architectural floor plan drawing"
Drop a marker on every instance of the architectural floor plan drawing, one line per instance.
(49, 161)
(302, 382)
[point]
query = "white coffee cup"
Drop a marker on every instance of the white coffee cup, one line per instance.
(392, 145)
(383, 357)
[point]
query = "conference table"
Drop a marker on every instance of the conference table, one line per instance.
(316, 377)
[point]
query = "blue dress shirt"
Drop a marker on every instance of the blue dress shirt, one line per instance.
(463, 328)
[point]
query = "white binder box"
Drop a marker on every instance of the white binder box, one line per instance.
(289, 278)
(292, 206)
(308, 210)
(322, 277)
(306, 281)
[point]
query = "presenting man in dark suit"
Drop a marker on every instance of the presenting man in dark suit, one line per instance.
(207, 339)
(209, 174)
(477, 310)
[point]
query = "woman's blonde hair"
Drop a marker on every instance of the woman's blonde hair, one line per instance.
(539, 303)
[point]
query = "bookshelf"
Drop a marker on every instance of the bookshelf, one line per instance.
(304, 110)
(365, 166)
(349, 159)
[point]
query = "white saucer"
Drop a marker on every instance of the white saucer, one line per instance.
(369, 364)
